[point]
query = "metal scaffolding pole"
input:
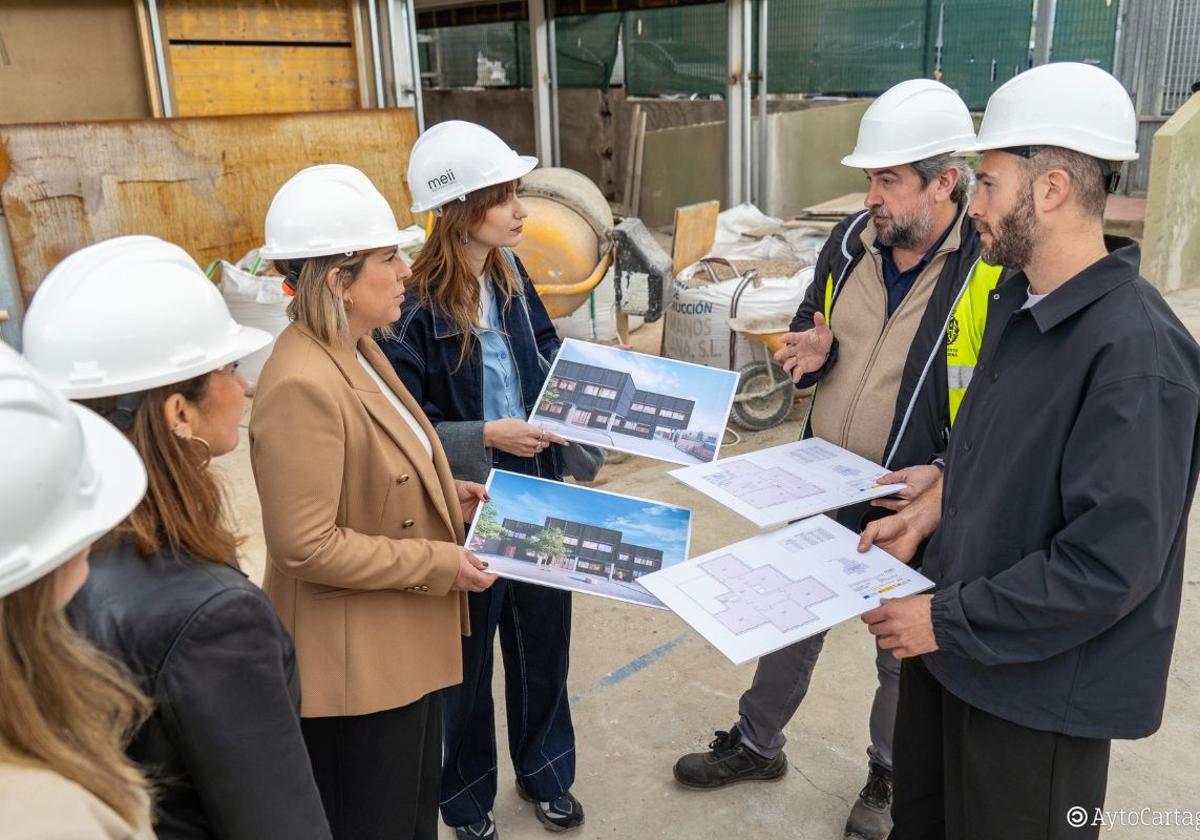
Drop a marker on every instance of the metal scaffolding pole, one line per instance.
(1043, 31)
(763, 131)
(406, 64)
(539, 52)
(737, 102)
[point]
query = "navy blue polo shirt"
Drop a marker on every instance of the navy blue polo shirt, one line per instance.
(899, 282)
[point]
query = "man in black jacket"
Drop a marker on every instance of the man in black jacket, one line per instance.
(1059, 544)
(874, 331)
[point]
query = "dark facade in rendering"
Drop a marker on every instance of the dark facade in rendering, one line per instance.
(598, 398)
(594, 550)
(649, 412)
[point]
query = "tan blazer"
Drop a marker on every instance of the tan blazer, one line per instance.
(39, 804)
(362, 530)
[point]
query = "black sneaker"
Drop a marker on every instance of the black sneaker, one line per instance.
(728, 761)
(871, 816)
(484, 829)
(561, 814)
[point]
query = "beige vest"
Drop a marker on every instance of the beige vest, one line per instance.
(856, 401)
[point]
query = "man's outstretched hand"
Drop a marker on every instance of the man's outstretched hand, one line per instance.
(804, 352)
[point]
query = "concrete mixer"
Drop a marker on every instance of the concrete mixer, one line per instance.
(568, 244)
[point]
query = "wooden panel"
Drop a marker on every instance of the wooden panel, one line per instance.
(70, 61)
(286, 21)
(695, 231)
(215, 79)
(204, 183)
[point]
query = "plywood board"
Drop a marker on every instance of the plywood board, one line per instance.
(204, 183)
(71, 61)
(695, 231)
(216, 79)
(281, 21)
(844, 205)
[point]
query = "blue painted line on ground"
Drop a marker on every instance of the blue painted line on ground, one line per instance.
(632, 667)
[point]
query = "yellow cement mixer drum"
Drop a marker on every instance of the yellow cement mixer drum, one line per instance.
(568, 237)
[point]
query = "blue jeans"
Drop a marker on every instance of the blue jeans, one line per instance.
(535, 641)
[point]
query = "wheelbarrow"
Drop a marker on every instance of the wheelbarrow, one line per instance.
(764, 394)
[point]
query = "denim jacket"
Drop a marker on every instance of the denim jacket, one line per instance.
(425, 356)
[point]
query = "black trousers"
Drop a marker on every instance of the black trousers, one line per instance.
(379, 774)
(963, 774)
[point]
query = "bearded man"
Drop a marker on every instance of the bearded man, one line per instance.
(890, 329)
(1059, 528)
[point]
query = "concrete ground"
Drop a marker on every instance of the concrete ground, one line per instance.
(646, 689)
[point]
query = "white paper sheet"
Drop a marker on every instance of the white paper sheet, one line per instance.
(602, 406)
(765, 593)
(609, 540)
(789, 482)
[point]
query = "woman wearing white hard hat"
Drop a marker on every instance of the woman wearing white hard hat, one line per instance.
(65, 709)
(472, 351)
(363, 521)
(132, 327)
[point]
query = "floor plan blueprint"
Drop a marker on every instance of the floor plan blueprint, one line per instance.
(789, 482)
(763, 596)
(765, 593)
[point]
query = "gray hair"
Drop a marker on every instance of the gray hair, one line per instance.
(932, 167)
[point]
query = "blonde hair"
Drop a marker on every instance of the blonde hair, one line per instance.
(66, 707)
(316, 306)
(442, 272)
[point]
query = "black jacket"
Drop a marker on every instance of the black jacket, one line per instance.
(223, 747)
(1059, 560)
(425, 353)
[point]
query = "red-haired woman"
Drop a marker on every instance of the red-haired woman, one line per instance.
(469, 351)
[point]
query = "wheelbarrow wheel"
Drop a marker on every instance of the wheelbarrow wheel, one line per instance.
(762, 412)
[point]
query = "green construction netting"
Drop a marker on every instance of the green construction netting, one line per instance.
(984, 44)
(498, 53)
(816, 46)
(1085, 30)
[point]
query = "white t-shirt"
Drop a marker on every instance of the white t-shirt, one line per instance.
(487, 302)
(1032, 300)
(395, 401)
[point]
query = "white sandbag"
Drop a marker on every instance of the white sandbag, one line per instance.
(697, 328)
(596, 318)
(254, 300)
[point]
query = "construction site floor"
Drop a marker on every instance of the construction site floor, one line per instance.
(645, 689)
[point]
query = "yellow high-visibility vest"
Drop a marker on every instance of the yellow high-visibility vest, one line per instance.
(964, 330)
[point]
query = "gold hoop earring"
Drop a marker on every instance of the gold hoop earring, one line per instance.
(348, 302)
(207, 451)
(186, 436)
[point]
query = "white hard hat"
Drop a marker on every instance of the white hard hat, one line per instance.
(66, 476)
(1066, 104)
(911, 121)
(129, 314)
(454, 158)
(329, 209)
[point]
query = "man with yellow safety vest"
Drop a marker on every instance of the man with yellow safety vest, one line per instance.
(890, 328)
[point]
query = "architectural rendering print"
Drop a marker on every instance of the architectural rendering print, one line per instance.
(631, 402)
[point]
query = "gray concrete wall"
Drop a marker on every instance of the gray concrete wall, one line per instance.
(595, 127)
(685, 164)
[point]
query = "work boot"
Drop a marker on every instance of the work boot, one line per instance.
(560, 814)
(727, 761)
(484, 829)
(871, 816)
